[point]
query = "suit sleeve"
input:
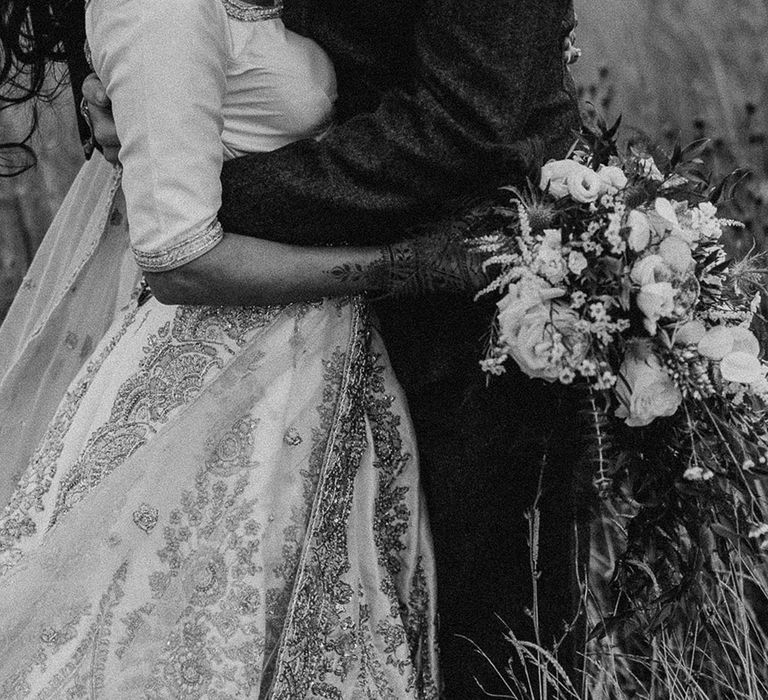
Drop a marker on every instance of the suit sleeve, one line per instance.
(488, 78)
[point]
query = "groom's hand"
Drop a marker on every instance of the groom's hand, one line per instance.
(101, 120)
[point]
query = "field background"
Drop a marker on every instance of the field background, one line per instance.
(694, 67)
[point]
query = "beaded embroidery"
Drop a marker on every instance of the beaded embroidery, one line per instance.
(213, 623)
(182, 252)
(145, 517)
(250, 12)
(179, 359)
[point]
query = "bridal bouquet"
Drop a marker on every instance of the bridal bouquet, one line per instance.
(612, 276)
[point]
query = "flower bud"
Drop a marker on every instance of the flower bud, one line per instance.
(639, 231)
(655, 300)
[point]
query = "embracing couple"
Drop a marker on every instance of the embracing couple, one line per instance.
(217, 478)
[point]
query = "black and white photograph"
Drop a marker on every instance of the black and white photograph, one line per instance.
(354, 350)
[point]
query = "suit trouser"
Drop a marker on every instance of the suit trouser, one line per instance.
(482, 449)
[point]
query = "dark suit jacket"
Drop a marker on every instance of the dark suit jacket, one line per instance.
(436, 99)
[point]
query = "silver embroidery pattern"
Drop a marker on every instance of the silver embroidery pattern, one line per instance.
(208, 561)
(178, 361)
(327, 632)
(16, 522)
(181, 253)
(292, 437)
(83, 674)
(230, 454)
(145, 517)
(306, 628)
(251, 12)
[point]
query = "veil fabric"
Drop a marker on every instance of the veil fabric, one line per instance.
(80, 275)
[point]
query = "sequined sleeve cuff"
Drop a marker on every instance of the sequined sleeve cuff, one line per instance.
(181, 253)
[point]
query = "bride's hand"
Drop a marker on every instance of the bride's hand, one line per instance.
(101, 119)
(571, 53)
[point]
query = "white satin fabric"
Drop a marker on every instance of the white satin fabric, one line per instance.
(202, 502)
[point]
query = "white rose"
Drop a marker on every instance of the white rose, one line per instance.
(584, 185)
(690, 333)
(716, 343)
(656, 300)
(577, 263)
(520, 297)
(639, 231)
(651, 268)
(676, 253)
(612, 179)
(646, 391)
(742, 367)
(554, 175)
(527, 322)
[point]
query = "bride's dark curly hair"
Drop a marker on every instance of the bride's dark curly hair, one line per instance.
(35, 36)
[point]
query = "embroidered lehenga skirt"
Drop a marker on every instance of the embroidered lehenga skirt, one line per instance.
(225, 503)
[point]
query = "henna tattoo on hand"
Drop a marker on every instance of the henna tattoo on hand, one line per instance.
(432, 262)
(435, 262)
(373, 277)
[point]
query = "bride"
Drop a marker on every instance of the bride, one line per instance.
(204, 501)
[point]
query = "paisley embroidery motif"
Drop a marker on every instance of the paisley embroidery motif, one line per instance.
(239, 594)
(16, 522)
(177, 363)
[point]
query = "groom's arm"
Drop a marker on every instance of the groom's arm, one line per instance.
(486, 76)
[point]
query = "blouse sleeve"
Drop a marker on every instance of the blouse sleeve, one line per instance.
(163, 66)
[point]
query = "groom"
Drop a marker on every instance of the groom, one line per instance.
(440, 100)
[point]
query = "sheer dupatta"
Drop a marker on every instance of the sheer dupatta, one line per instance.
(81, 274)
